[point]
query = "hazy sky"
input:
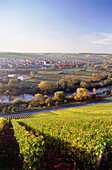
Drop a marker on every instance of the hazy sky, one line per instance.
(56, 25)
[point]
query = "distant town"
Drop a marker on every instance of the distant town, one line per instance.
(28, 63)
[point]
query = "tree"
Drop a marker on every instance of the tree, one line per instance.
(45, 87)
(62, 84)
(48, 100)
(94, 90)
(39, 98)
(85, 84)
(82, 91)
(59, 95)
(32, 74)
(82, 94)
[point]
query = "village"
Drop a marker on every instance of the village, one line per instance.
(28, 63)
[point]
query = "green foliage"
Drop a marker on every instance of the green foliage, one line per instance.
(62, 84)
(3, 122)
(31, 147)
(45, 87)
(82, 94)
(17, 101)
(48, 100)
(83, 131)
(59, 95)
(38, 100)
(85, 85)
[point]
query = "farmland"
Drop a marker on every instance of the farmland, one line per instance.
(72, 138)
(78, 133)
(20, 71)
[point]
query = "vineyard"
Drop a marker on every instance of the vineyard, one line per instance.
(74, 138)
(3, 121)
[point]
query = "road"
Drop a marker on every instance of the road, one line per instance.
(58, 108)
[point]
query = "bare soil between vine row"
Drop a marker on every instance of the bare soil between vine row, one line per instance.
(9, 150)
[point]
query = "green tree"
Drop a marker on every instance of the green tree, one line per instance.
(62, 84)
(48, 100)
(82, 94)
(59, 96)
(85, 84)
(45, 87)
(39, 98)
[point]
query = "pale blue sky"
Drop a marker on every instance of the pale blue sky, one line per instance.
(56, 25)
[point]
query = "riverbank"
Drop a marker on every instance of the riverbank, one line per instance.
(64, 106)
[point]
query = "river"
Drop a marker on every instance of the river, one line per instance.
(25, 97)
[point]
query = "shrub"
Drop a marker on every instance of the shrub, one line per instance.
(82, 94)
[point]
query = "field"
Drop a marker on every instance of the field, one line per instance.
(90, 70)
(56, 56)
(74, 137)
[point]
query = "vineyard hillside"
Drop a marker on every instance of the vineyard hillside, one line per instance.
(82, 132)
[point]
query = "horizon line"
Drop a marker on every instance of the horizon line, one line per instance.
(29, 52)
